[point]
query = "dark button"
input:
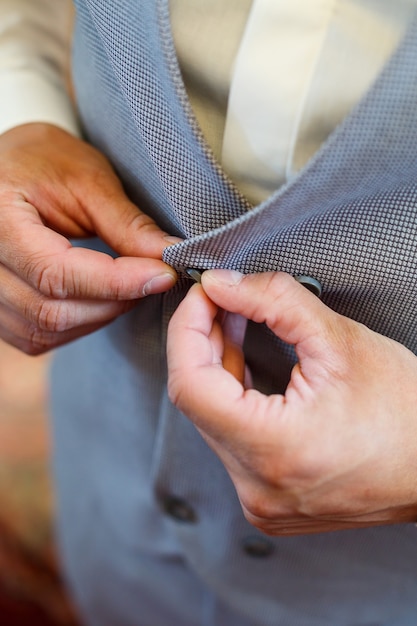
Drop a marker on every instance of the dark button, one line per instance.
(179, 509)
(258, 547)
(310, 283)
(194, 274)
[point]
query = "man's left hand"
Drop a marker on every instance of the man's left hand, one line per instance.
(339, 449)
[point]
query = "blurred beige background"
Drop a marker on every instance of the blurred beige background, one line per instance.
(31, 592)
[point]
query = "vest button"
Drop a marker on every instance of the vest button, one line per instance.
(310, 283)
(179, 509)
(257, 547)
(194, 273)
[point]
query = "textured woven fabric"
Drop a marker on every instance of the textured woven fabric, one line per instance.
(348, 219)
(365, 171)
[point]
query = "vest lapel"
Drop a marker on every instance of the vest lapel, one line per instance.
(200, 194)
(363, 155)
(372, 152)
(349, 218)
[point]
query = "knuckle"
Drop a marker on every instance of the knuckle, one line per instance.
(343, 347)
(259, 503)
(117, 287)
(306, 467)
(265, 515)
(46, 275)
(53, 317)
(139, 227)
(142, 222)
(271, 289)
(51, 281)
(47, 315)
(31, 349)
(38, 341)
(257, 510)
(278, 286)
(279, 283)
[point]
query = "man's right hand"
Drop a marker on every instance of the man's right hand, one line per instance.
(52, 187)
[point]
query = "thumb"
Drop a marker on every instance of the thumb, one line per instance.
(292, 312)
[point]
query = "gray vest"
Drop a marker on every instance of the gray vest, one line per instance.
(149, 522)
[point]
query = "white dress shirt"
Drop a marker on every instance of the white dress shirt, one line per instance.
(287, 72)
(34, 52)
(275, 77)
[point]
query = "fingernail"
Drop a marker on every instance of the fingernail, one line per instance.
(158, 284)
(223, 277)
(173, 240)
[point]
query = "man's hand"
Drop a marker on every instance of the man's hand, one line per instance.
(339, 449)
(54, 186)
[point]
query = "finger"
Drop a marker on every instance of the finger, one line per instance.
(50, 264)
(75, 189)
(234, 328)
(271, 297)
(54, 315)
(34, 340)
(193, 348)
(121, 224)
(293, 313)
(198, 383)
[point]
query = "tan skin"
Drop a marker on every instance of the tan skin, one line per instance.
(54, 186)
(339, 449)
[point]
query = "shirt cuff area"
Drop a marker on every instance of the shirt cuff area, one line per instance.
(28, 97)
